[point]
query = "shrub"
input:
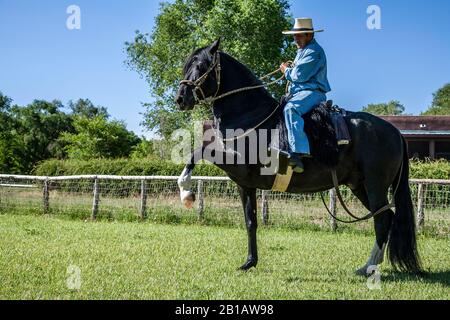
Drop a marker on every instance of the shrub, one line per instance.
(154, 166)
(123, 167)
(438, 169)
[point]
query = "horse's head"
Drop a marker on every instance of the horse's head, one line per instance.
(201, 77)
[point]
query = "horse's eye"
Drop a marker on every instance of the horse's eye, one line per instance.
(199, 65)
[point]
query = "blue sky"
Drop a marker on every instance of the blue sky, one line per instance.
(407, 60)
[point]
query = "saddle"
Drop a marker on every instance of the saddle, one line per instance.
(326, 129)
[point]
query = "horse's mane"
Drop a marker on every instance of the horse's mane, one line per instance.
(251, 77)
(246, 75)
(200, 52)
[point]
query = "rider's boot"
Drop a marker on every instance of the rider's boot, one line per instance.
(296, 163)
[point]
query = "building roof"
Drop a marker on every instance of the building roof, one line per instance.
(425, 134)
(434, 133)
(425, 123)
(421, 126)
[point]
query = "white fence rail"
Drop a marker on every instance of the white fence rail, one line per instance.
(139, 194)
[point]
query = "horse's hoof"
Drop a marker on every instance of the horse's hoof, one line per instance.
(248, 265)
(188, 199)
(363, 271)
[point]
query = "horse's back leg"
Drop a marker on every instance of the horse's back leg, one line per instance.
(248, 198)
(374, 200)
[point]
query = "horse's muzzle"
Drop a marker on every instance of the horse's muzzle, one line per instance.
(184, 100)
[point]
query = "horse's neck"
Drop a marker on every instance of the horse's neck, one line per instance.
(242, 110)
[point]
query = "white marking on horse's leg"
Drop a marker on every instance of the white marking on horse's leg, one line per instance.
(184, 183)
(377, 255)
(376, 258)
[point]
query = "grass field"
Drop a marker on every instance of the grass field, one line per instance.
(144, 260)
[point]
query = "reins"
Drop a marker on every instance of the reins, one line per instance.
(341, 200)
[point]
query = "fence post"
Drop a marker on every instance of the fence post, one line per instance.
(96, 200)
(333, 210)
(201, 205)
(45, 196)
(265, 207)
(420, 206)
(143, 208)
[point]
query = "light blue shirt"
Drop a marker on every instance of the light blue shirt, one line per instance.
(309, 71)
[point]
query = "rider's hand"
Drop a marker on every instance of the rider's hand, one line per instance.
(283, 67)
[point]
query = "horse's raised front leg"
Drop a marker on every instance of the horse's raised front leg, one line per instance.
(184, 181)
(248, 197)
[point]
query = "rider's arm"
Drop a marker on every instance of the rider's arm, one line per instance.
(305, 68)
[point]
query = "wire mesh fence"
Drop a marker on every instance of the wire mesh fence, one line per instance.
(157, 198)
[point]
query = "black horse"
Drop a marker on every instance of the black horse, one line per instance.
(375, 160)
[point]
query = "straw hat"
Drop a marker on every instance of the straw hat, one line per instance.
(302, 25)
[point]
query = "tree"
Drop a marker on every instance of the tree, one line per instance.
(5, 103)
(250, 31)
(38, 125)
(144, 149)
(98, 138)
(392, 108)
(441, 102)
(42, 130)
(85, 108)
(11, 151)
(29, 134)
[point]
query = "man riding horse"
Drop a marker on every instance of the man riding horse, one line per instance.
(309, 85)
(375, 161)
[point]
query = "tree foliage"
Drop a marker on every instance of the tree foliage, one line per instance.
(441, 102)
(98, 138)
(85, 108)
(42, 130)
(10, 144)
(250, 31)
(392, 108)
(38, 126)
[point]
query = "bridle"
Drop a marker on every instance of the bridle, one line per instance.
(197, 84)
(215, 66)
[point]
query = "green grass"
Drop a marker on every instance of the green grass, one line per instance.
(144, 260)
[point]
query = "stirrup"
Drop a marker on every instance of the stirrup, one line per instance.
(282, 157)
(297, 164)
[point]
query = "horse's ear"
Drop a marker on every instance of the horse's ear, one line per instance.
(214, 47)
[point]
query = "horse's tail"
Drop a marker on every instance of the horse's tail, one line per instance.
(402, 246)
